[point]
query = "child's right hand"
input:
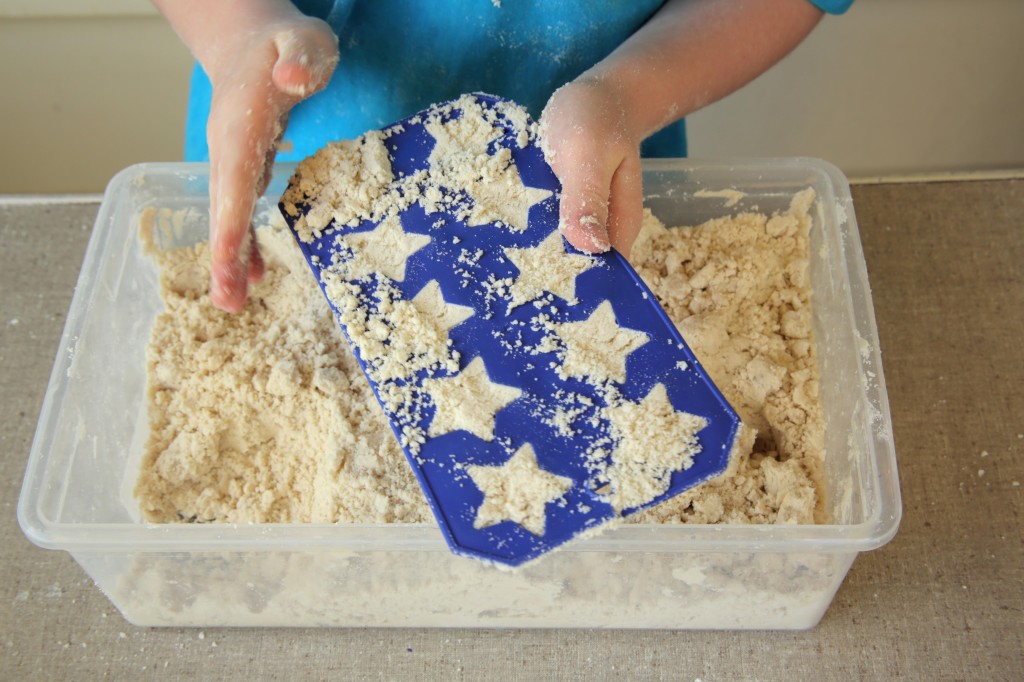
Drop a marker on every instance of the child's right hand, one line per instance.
(252, 98)
(262, 57)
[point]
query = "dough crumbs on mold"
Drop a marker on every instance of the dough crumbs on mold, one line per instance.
(654, 441)
(431, 303)
(386, 250)
(547, 267)
(461, 159)
(596, 349)
(518, 491)
(341, 183)
(468, 401)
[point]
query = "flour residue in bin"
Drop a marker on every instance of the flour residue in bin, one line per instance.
(263, 416)
(234, 400)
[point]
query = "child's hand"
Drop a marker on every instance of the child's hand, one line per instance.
(248, 115)
(262, 57)
(587, 140)
(689, 54)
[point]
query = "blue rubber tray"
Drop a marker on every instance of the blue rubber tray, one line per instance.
(563, 420)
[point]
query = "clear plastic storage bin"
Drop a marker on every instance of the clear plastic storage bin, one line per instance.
(83, 464)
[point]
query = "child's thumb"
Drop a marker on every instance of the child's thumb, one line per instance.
(583, 215)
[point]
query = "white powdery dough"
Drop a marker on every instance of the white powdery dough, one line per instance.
(499, 194)
(263, 416)
(385, 249)
(352, 181)
(461, 142)
(468, 401)
(518, 491)
(596, 348)
(430, 302)
(729, 285)
(547, 267)
(396, 340)
(462, 162)
(654, 441)
(341, 182)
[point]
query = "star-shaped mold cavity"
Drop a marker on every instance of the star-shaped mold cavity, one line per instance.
(654, 440)
(468, 401)
(403, 337)
(518, 491)
(385, 250)
(546, 267)
(461, 159)
(596, 348)
(442, 315)
(463, 137)
(499, 195)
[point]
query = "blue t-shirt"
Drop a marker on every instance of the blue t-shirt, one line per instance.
(398, 57)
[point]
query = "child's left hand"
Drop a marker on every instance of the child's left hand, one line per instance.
(588, 143)
(689, 54)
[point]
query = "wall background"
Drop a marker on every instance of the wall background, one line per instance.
(88, 87)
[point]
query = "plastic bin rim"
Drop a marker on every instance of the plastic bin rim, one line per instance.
(838, 178)
(132, 537)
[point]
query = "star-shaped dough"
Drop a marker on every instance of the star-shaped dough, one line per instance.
(502, 197)
(468, 134)
(460, 161)
(546, 267)
(518, 490)
(469, 400)
(596, 348)
(654, 440)
(415, 332)
(430, 302)
(384, 249)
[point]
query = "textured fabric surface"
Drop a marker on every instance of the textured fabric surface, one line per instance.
(942, 601)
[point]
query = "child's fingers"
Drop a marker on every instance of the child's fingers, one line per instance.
(589, 150)
(246, 122)
(583, 216)
(241, 130)
(231, 250)
(256, 264)
(257, 267)
(584, 167)
(625, 204)
(271, 154)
